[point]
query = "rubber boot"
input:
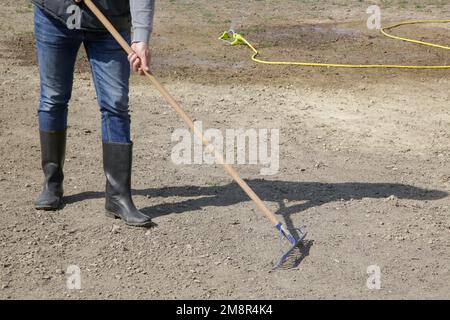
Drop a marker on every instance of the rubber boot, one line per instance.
(53, 150)
(117, 160)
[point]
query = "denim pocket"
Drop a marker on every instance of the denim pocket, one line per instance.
(39, 15)
(47, 28)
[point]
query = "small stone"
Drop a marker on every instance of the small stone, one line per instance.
(391, 198)
(115, 229)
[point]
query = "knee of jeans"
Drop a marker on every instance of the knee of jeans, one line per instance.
(51, 100)
(116, 104)
(53, 106)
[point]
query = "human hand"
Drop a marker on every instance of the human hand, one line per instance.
(140, 59)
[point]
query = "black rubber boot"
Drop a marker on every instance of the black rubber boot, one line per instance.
(117, 159)
(53, 150)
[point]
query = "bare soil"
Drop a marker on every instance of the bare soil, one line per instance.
(364, 161)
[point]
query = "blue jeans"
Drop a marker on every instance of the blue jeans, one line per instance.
(57, 48)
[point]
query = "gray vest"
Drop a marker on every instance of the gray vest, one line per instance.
(117, 11)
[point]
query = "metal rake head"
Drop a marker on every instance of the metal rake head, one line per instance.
(294, 243)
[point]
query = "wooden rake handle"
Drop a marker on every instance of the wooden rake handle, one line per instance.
(179, 110)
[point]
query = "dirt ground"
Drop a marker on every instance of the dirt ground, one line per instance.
(364, 161)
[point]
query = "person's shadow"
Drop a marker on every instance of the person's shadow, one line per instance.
(310, 194)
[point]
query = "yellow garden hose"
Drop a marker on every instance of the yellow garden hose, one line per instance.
(237, 39)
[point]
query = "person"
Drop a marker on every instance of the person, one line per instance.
(58, 40)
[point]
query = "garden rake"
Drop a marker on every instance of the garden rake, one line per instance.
(293, 241)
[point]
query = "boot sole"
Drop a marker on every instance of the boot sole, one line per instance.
(113, 215)
(46, 208)
(49, 207)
